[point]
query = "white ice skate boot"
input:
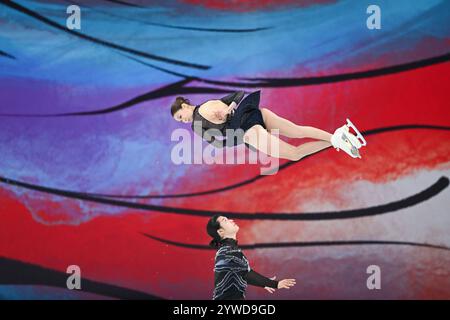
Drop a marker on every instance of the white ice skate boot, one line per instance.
(345, 140)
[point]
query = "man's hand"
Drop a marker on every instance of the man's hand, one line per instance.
(283, 284)
(286, 283)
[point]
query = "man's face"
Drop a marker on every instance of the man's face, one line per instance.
(228, 225)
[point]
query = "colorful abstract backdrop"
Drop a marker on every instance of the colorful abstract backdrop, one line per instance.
(85, 147)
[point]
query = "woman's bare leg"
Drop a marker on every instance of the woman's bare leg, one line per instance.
(290, 129)
(259, 138)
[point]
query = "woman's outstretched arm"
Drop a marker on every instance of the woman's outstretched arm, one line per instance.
(233, 97)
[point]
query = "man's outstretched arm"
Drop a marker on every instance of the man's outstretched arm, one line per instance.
(256, 279)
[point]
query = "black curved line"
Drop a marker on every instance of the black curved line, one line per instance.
(153, 66)
(105, 43)
(169, 90)
(4, 54)
(254, 179)
(277, 245)
(308, 80)
(124, 3)
(258, 177)
(155, 94)
(169, 25)
(286, 82)
(151, 95)
(15, 272)
(293, 82)
(422, 196)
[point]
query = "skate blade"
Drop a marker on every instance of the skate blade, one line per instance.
(354, 154)
(358, 134)
(349, 148)
(357, 155)
(351, 140)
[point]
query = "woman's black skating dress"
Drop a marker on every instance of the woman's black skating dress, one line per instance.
(246, 115)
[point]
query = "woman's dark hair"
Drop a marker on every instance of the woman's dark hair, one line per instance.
(212, 227)
(177, 104)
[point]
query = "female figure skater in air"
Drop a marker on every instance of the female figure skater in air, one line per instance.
(216, 117)
(232, 271)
